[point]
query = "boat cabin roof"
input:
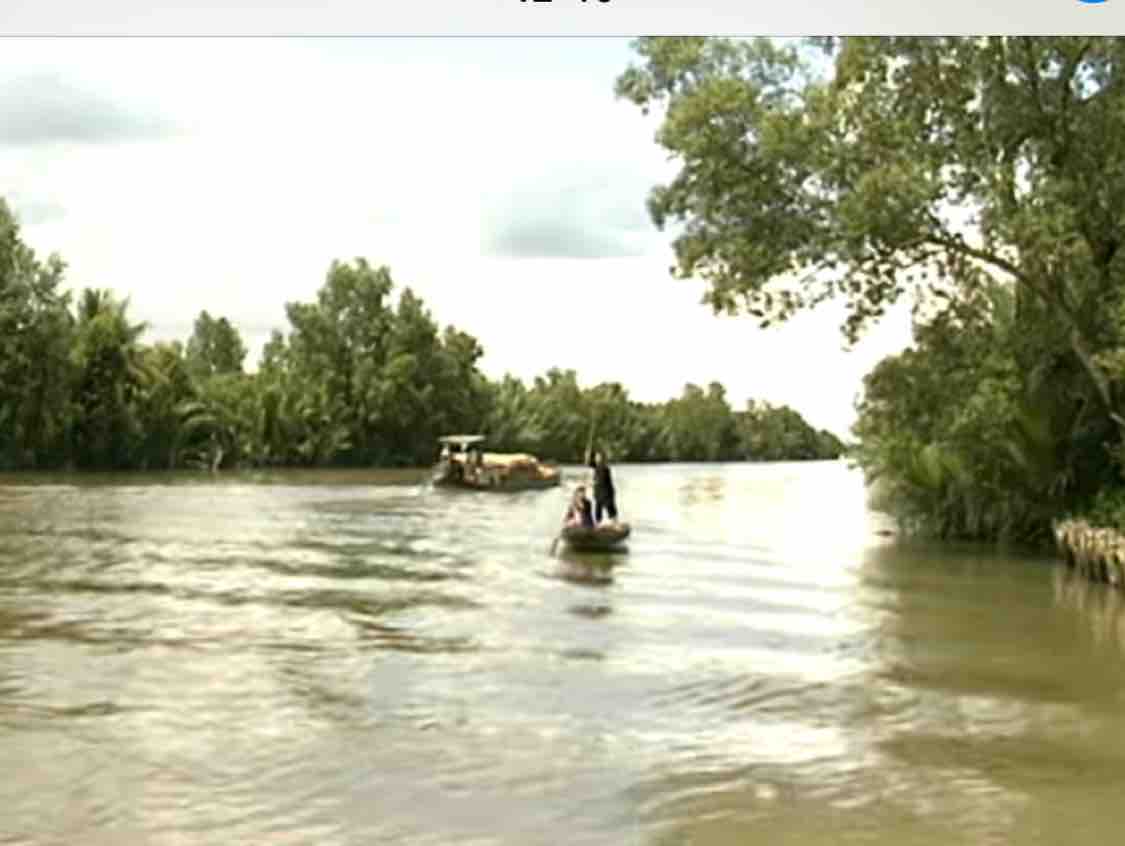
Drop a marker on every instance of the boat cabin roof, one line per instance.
(460, 440)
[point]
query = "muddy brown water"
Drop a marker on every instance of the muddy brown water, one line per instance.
(353, 658)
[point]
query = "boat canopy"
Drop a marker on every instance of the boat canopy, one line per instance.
(460, 440)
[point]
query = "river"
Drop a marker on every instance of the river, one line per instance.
(352, 658)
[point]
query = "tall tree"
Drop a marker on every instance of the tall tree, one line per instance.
(109, 378)
(35, 336)
(912, 164)
(215, 347)
(337, 350)
(700, 424)
(166, 387)
(408, 393)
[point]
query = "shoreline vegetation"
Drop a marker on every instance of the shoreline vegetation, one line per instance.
(976, 178)
(362, 378)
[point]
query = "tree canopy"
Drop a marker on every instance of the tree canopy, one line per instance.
(912, 164)
(214, 347)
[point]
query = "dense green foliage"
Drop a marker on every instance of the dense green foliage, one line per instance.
(982, 177)
(362, 378)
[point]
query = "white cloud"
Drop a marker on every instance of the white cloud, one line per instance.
(433, 157)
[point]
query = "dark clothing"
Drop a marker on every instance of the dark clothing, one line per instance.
(587, 514)
(607, 504)
(605, 496)
(603, 481)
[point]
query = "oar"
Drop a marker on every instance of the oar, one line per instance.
(554, 544)
(590, 440)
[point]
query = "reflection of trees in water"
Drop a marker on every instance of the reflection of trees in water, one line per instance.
(965, 621)
(1101, 606)
(983, 670)
(973, 707)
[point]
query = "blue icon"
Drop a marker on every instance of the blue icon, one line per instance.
(1091, 1)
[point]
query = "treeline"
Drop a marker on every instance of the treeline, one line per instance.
(362, 377)
(988, 427)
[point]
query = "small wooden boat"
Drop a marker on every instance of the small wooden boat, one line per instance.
(604, 538)
(463, 464)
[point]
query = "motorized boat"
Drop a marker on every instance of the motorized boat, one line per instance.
(464, 464)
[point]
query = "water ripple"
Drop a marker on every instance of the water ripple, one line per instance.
(343, 657)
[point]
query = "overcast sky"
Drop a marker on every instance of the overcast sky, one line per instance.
(499, 178)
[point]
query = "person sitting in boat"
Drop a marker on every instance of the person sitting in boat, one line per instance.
(605, 497)
(580, 512)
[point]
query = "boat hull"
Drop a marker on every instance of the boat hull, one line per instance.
(599, 539)
(496, 482)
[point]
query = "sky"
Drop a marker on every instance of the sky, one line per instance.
(500, 179)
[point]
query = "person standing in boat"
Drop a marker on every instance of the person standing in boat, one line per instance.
(605, 496)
